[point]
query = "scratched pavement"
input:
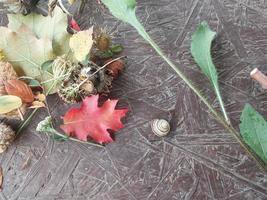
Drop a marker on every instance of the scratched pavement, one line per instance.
(198, 159)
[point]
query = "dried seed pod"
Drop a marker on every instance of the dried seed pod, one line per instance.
(87, 87)
(85, 81)
(160, 127)
(69, 92)
(116, 67)
(62, 67)
(7, 136)
(102, 41)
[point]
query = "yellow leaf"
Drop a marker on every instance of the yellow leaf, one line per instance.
(71, 1)
(53, 28)
(9, 103)
(26, 52)
(81, 44)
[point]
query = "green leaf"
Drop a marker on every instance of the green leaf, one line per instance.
(116, 48)
(106, 54)
(27, 53)
(9, 103)
(53, 28)
(30, 81)
(123, 10)
(201, 52)
(253, 129)
(47, 65)
(202, 38)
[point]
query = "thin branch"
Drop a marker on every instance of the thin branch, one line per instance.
(105, 65)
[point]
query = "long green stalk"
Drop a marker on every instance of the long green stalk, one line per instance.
(217, 115)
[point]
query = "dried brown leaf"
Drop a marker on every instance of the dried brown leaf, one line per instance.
(20, 89)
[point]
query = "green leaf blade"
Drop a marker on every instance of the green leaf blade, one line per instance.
(122, 9)
(253, 129)
(201, 52)
(9, 103)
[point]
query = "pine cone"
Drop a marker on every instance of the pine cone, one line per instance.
(7, 136)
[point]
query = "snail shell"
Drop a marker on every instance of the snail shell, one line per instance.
(160, 127)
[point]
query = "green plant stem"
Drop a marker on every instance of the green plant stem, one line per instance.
(222, 106)
(25, 122)
(217, 115)
(54, 131)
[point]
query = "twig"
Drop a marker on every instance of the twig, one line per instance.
(55, 79)
(259, 77)
(20, 114)
(99, 70)
(64, 8)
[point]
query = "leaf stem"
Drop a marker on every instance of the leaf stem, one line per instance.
(217, 115)
(25, 122)
(222, 105)
(54, 131)
(105, 65)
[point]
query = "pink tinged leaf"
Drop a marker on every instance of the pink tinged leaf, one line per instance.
(92, 121)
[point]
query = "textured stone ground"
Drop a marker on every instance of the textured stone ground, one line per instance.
(199, 159)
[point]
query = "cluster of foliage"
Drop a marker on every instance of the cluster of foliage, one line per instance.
(38, 55)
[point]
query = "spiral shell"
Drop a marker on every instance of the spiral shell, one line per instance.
(160, 127)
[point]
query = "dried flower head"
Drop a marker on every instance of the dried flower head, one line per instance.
(62, 67)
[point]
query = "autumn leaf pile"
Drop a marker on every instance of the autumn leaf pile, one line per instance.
(40, 57)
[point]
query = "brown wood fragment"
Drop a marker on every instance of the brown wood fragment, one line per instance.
(1, 178)
(26, 163)
(259, 77)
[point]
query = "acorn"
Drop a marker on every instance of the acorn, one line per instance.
(160, 127)
(7, 136)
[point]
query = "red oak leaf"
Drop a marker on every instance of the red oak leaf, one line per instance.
(92, 121)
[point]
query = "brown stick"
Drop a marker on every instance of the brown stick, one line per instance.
(259, 77)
